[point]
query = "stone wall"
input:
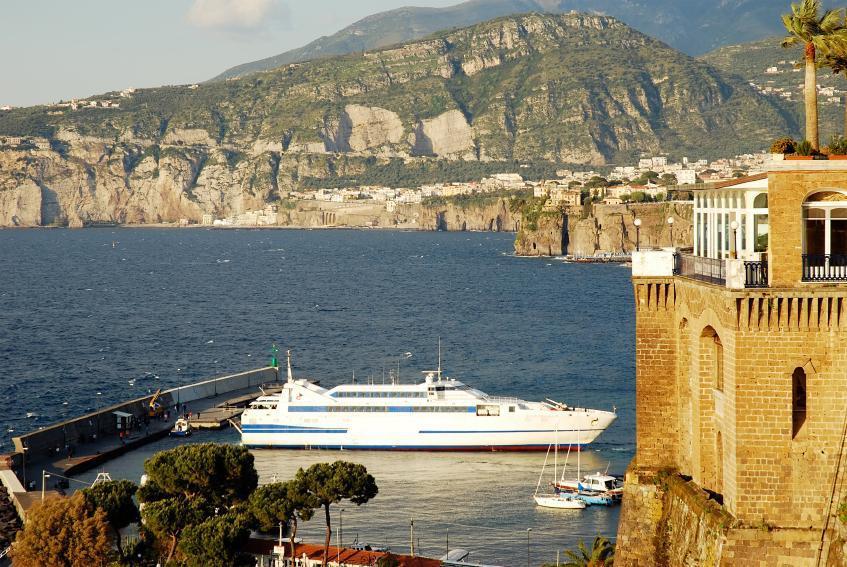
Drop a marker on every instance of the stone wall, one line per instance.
(667, 520)
(786, 194)
(728, 425)
(656, 421)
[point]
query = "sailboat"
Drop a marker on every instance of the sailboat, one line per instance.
(596, 489)
(561, 500)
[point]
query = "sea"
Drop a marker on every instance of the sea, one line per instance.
(96, 316)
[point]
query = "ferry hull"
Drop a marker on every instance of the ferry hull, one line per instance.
(535, 434)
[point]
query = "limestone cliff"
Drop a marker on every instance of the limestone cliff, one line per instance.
(595, 229)
(492, 215)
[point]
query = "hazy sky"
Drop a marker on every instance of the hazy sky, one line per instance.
(61, 49)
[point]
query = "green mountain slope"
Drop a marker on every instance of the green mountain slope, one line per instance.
(691, 26)
(570, 89)
(776, 73)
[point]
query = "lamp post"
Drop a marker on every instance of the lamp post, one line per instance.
(23, 460)
(44, 477)
(733, 250)
(528, 530)
(637, 223)
(670, 224)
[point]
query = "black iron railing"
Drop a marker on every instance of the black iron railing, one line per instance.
(825, 267)
(755, 274)
(711, 270)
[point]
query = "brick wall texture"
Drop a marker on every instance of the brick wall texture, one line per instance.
(715, 404)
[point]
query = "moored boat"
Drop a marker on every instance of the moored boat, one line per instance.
(561, 501)
(182, 428)
(603, 488)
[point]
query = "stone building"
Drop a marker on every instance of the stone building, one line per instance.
(741, 378)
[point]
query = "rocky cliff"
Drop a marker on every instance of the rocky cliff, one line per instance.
(595, 229)
(529, 89)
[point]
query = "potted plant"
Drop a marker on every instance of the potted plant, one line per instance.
(782, 146)
(802, 151)
(837, 147)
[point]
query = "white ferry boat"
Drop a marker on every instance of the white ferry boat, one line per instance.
(438, 414)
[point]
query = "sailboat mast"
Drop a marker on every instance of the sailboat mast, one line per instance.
(556, 458)
(540, 476)
(578, 460)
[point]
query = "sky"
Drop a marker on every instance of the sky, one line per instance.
(53, 50)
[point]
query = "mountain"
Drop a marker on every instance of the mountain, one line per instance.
(534, 89)
(777, 73)
(691, 26)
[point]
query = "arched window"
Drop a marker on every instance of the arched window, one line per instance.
(761, 201)
(798, 401)
(825, 236)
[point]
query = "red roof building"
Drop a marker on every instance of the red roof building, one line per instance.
(311, 555)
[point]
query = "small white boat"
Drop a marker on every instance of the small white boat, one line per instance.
(595, 489)
(561, 501)
(597, 482)
(182, 428)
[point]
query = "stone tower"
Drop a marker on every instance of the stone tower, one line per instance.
(741, 356)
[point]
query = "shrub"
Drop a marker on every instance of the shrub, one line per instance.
(784, 145)
(837, 145)
(804, 148)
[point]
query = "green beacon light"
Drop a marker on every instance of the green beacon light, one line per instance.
(274, 357)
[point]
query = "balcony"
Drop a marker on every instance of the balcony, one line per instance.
(825, 267)
(755, 274)
(729, 273)
(711, 270)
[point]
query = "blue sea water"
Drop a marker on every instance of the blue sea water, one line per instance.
(90, 317)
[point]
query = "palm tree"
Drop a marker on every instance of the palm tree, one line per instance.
(602, 554)
(814, 32)
(835, 57)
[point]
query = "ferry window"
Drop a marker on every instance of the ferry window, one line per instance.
(511, 409)
(488, 410)
(798, 401)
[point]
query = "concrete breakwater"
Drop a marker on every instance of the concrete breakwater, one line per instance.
(102, 423)
(83, 442)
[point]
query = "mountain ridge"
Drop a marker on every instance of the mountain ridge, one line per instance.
(732, 21)
(611, 87)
